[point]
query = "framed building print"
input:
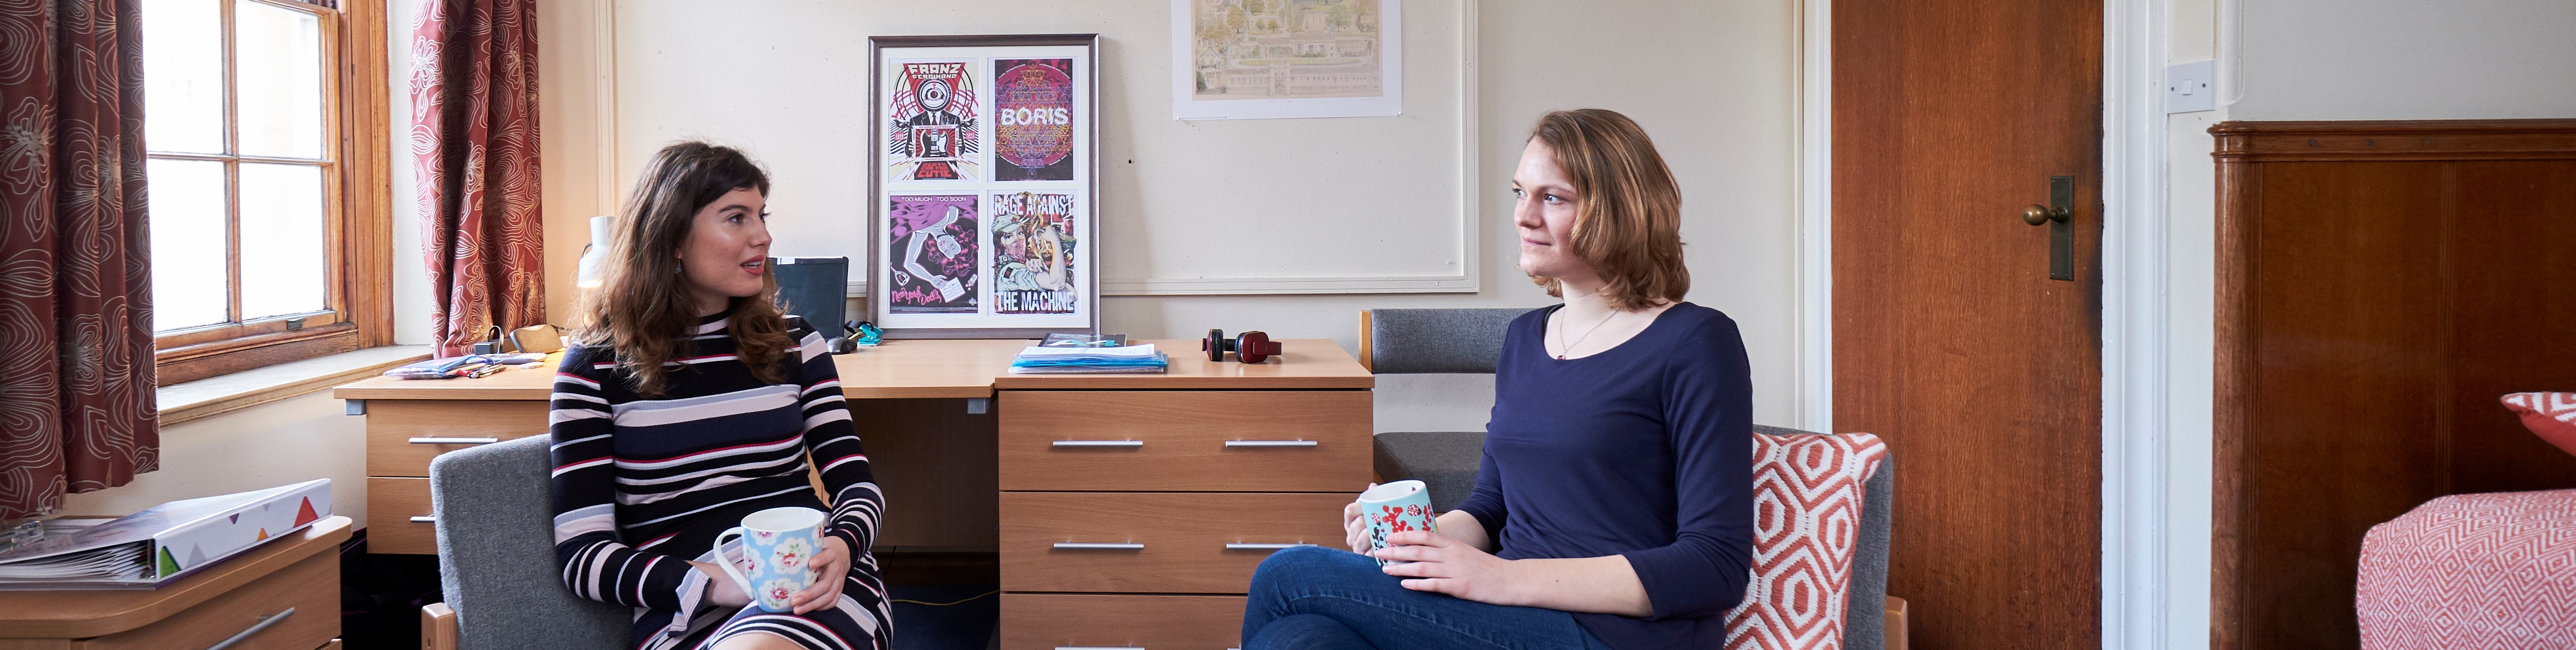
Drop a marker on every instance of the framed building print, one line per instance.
(982, 185)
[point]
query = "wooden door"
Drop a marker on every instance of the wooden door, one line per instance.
(1950, 339)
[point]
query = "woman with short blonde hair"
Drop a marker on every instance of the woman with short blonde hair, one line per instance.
(1630, 233)
(1614, 504)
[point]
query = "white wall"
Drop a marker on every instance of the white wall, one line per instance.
(1181, 201)
(412, 298)
(1726, 127)
(2406, 59)
(1712, 82)
(286, 441)
(2190, 281)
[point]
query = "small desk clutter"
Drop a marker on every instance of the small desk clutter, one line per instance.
(1073, 354)
(1123, 508)
(468, 366)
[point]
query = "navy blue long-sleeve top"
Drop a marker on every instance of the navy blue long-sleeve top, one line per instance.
(1644, 451)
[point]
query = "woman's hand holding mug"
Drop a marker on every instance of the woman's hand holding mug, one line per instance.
(1355, 525)
(786, 560)
(721, 589)
(1384, 510)
(830, 566)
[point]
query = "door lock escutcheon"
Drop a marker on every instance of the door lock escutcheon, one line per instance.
(2058, 215)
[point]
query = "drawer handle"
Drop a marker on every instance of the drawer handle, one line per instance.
(454, 441)
(1270, 443)
(264, 623)
(424, 519)
(1245, 546)
(1100, 443)
(1100, 546)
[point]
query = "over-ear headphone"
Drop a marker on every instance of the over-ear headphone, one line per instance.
(1251, 347)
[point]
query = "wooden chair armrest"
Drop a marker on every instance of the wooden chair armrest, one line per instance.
(437, 627)
(1895, 623)
(1365, 343)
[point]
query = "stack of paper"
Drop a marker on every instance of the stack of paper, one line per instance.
(1036, 360)
(126, 563)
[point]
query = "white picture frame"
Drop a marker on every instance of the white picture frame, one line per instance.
(982, 185)
(1276, 59)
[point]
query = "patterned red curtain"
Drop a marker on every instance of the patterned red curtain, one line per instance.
(76, 406)
(474, 135)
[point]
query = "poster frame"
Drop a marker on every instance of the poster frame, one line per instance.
(1389, 102)
(876, 307)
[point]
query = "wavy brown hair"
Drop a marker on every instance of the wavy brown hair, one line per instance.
(640, 308)
(1627, 211)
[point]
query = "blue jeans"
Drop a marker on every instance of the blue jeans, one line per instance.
(1314, 598)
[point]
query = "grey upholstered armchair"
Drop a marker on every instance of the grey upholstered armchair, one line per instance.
(1469, 341)
(496, 558)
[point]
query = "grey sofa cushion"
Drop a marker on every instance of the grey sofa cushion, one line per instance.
(1420, 341)
(1446, 462)
(496, 554)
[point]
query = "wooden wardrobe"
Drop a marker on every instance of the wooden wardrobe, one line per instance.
(2380, 285)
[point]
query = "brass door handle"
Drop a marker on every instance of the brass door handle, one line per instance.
(2040, 215)
(2058, 215)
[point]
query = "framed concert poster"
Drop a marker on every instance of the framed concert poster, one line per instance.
(983, 208)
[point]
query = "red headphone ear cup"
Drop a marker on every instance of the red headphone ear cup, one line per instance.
(1255, 347)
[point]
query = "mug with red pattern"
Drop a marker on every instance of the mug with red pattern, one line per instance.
(778, 546)
(1394, 508)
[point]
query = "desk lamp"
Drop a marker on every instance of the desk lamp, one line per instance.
(593, 254)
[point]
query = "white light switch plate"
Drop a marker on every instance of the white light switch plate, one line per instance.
(2191, 87)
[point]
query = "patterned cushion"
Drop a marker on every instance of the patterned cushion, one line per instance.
(2552, 416)
(1806, 523)
(2472, 571)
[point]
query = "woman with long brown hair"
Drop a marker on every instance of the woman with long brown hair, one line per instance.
(1614, 504)
(687, 402)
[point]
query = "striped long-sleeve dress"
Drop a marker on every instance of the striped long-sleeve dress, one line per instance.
(642, 486)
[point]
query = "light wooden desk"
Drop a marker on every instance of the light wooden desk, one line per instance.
(293, 581)
(1126, 510)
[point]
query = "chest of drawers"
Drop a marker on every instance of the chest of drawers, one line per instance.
(1134, 508)
(411, 422)
(283, 593)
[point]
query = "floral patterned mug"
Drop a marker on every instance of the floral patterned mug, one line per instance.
(778, 547)
(1394, 508)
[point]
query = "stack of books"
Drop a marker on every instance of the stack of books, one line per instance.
(1046, 360)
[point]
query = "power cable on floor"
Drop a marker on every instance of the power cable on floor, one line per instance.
(945, 604)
